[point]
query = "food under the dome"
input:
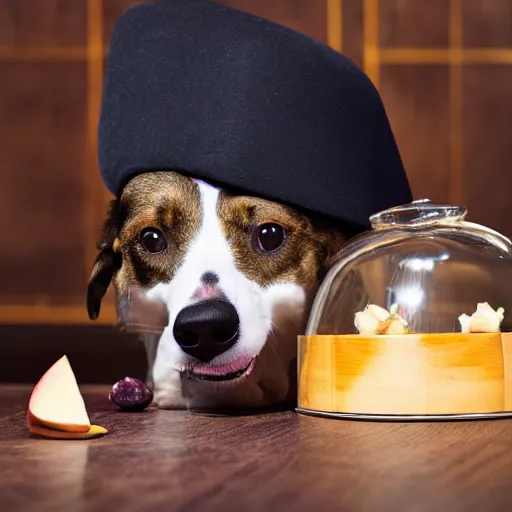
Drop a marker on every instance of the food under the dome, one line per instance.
(375, 320)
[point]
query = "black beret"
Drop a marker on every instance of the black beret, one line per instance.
(242, 102)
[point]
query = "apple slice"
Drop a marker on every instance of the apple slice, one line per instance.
(56, 401)
(94, 431)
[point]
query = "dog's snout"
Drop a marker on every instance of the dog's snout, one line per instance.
(207, 329)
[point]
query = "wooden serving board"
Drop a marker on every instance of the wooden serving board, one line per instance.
(406, 375)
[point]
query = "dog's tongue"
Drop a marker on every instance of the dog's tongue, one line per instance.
(232, 366)
(136, 312)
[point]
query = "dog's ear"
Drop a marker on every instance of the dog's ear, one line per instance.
(332, 247)
(331, 243)
(107, 262)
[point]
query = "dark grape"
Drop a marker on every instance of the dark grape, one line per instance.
(131, 394)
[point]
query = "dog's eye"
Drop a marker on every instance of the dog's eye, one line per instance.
(270, 237)
(152, 240)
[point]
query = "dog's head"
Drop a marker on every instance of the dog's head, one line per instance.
(237, 275)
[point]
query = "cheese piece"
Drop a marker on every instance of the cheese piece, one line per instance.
(56, 401)
(484, 320)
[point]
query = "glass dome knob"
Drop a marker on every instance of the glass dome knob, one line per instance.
(419, 213)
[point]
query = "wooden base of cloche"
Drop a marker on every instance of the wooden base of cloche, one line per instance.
(408, 377)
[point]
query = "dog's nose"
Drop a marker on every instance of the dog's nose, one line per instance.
(207, 329)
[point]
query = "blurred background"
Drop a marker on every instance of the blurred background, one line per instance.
(444, 70)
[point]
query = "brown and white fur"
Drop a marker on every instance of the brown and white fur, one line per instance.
(210, 231)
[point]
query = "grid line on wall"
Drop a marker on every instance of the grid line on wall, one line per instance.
(335, 24)
(418, 56)
(371, 36)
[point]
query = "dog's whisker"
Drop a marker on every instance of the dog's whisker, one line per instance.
(275, 352)
(273, 327)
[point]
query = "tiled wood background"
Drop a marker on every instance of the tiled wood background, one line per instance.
(444, 68)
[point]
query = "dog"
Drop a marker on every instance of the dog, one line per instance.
(237, 275)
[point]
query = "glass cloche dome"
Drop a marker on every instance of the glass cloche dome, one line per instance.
(425, 264)
(413, 320)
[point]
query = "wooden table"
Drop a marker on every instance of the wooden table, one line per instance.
(177, 461)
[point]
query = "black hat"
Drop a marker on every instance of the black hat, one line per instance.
(243, 102)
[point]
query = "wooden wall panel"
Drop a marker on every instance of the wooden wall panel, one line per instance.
(469, 121)
(487, 145)
(443, 68)
(487, 23)
(41, 142)
(47, 23)
(411, 23)
(416, 98)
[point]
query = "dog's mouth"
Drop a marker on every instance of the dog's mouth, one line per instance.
(229, 372)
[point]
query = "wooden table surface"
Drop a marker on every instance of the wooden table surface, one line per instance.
(177, 461)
